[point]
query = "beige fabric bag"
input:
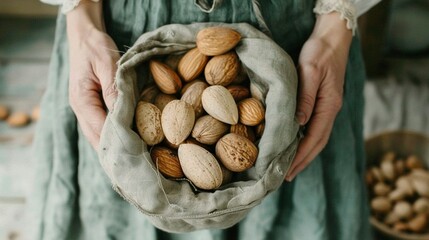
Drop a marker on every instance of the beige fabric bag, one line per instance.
(174, 205)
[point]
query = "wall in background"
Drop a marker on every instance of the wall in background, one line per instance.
(27, 8)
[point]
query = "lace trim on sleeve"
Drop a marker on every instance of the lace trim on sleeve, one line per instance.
(346, 9)
(69, 5)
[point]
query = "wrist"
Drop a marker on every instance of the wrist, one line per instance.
(332, 29)
(86, 18)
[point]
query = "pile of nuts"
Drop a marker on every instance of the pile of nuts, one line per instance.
(207, 129)
(399, 188)
(18, 119)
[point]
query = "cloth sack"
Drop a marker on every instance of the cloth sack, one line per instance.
(175, 206)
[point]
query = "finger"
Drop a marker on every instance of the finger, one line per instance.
(310, 145)
(301, 165)
(89, 109)
(92, 126)
(307, 90)
(106, 74)
(316, 137)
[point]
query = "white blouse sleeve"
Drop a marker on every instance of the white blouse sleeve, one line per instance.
(349, 10)
(67, 5)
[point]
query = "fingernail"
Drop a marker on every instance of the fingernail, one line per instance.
(300, 116)
(289, 178)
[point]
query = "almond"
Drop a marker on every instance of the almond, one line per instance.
(192, 64)
(148, 121)
(189, 84)
(165, 78)
(188, 140)
(381, 205)
(260, 129)
(419, 223)
(251, 111)
(163, 99)
(400, 227)
(421, 205)
(214, 41)
(222, 69)
(219, 103)
(193, 97)
(208, 130)
(200, 166)
(242, 76)
(169, 144)
(4, 112)
(149, 94)
(18, 119)
(243, 130)
(413, 162)
(236, 152)
(177, 119)
(194, 141)
(227, 174)
(173, 60)
(167, 162)
(238, 92)
(403, 210)
(256, 92)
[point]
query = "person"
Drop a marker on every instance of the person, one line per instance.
(322, 200)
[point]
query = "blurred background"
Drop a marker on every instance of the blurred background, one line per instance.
(26, 37)
(395, 41)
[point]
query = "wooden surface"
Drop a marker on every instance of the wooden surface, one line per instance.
(25, 48)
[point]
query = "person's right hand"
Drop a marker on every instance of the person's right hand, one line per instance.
(93, 56)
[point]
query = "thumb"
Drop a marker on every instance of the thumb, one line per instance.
(107, 81)
(309, 81)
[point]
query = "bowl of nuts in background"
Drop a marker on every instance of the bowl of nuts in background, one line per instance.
(397, 177)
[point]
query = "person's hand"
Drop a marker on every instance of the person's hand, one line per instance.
(93, 56)
(321, 70)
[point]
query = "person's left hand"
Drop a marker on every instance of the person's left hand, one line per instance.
(321, 70)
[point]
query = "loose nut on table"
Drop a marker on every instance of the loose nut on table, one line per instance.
(4, 112)
(18, 119)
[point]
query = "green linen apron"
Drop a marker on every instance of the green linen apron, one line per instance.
(73, 198)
